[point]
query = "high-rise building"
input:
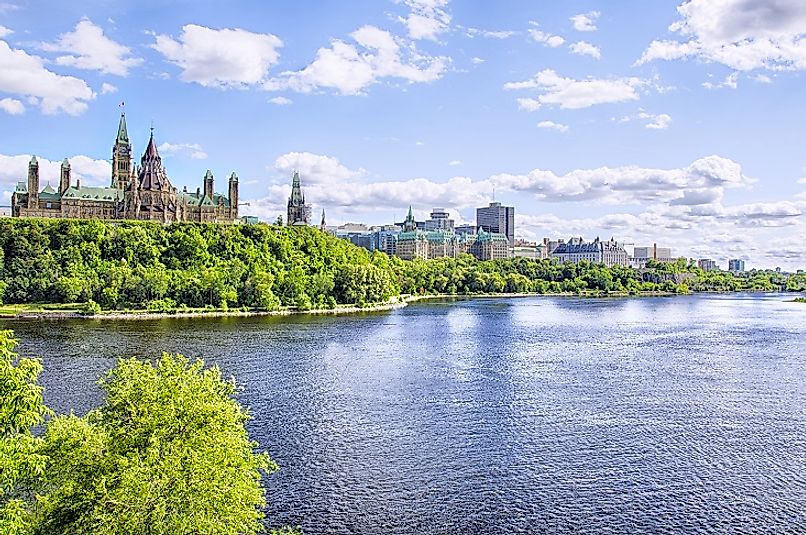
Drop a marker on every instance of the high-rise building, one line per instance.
(440, 220)
(736, 264)
(706, 264)
(299, 213)
(497, 219)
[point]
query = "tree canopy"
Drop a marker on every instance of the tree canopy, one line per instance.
(166, 454)
(142, 265)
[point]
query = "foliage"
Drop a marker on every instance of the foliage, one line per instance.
(21, 408)
(167, 453)
(143, 265)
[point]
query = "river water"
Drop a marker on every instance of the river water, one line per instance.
(529, 415)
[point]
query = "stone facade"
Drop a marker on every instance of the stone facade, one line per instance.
(142, 193)
(577, 250)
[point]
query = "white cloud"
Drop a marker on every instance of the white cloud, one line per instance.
(585, 22)
(226, 58)
(656, 122)
(568, 93)
(528, 104)
(742, 34)
(281, 101)
(551, 125)
(455, 162)
(7, 7)
(547, 39)
(88, 48)
(90, 171)
(315, 168)
(108, 88)
(583, 48)
(194, 150)
(5, 31)
(427, 18)
(349, 68)
(730, 81)
(25, 75)
(476, 61)
(12, 106)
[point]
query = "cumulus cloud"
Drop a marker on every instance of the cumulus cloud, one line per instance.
(583, 48)
(12, 106)
(26, 75)
(568, 93)
(585, 22)
(741, 34)
(427, 19)
(226, 58)
(656, 122)
(547, 39)
(476, 61)
(315, 168)
(281, 101)
(350, 68)
(108, 88)
(551, 125)
(730, 81)
(5, 31)
(90, 171)
(194, 150)
(88, 48)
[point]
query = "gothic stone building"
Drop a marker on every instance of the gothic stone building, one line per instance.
(141, 192)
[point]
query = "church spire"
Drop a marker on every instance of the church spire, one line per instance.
(409, 225)
(123, 134)
(323, 225)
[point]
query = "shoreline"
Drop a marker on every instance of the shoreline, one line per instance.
(399, 303)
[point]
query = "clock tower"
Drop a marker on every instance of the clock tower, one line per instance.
(121, 156)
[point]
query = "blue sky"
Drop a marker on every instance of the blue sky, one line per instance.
(676, 123)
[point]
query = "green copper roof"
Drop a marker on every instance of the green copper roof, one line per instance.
(123, 135)
(93, 194)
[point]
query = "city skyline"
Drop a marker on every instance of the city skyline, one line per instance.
(652, 123)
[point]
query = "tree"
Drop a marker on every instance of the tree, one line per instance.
(21, 408)
(167, 453)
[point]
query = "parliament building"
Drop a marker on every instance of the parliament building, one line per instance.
(141, 192)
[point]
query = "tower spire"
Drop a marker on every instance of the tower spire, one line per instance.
(123, 134)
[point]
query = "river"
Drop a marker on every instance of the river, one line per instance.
(525, 415)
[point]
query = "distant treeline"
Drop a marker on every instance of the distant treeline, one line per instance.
(141, 265)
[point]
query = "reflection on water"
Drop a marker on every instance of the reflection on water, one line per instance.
(661, 415)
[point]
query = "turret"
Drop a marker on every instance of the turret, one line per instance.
(33, 183)
(233, 195)
(208, 184)
(64, 177)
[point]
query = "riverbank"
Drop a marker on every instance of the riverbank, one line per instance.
(73, 311)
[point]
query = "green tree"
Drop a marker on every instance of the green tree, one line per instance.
(21, 463)
(167, 453)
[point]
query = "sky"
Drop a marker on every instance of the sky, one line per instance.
(681, 124)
